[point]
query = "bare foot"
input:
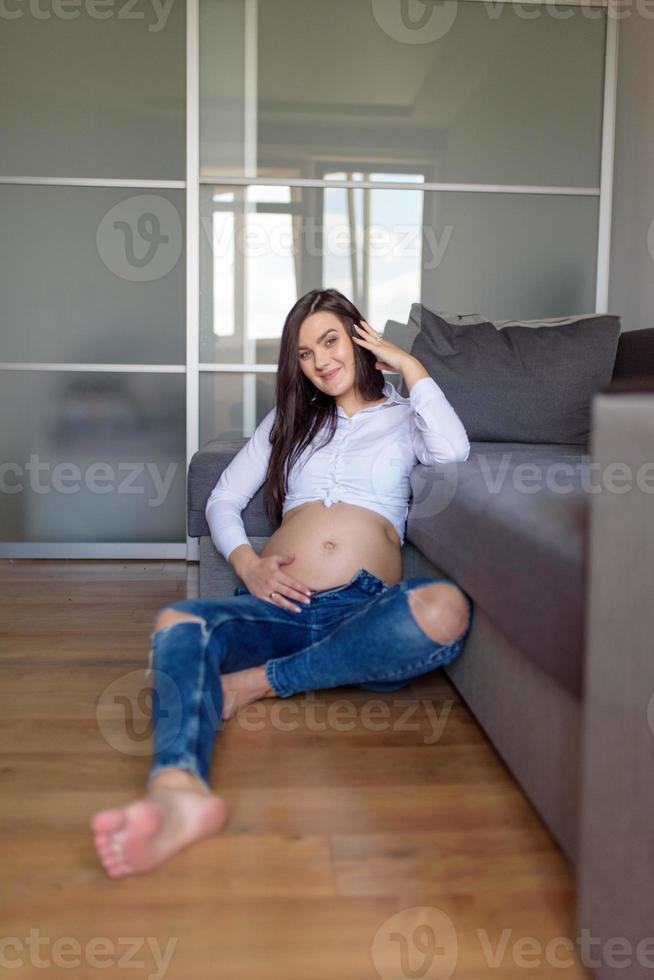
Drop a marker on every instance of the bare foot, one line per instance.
(136, 838)
(243, 687)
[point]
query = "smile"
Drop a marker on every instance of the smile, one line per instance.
(328, 377)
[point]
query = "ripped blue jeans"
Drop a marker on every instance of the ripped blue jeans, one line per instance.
(363, 633)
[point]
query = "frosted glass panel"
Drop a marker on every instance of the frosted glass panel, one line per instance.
(510, 256)
(93, 90)
(504, 255)
(92, 457)
(92, 275)
(481, 92)
(222, 85)
(232, 404)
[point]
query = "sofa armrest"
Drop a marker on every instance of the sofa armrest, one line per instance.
(635, 354)
(615, 882)
(204, 470)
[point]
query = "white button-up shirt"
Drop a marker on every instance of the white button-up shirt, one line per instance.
(367, 462)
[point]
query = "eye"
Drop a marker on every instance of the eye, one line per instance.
(328, 341)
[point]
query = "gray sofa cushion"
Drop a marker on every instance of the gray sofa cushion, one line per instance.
(519, 383)
(519, 554)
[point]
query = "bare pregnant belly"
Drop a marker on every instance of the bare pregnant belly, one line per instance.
(332, 543)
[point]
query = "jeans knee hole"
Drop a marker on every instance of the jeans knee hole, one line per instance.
(447, 623)
(181, 622)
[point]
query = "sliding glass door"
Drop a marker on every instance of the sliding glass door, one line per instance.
(174, 177)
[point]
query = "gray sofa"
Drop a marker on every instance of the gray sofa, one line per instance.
(559, 666)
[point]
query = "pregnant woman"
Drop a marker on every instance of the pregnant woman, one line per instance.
(324, 603)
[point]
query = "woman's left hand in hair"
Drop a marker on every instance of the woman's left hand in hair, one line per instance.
(389, 356)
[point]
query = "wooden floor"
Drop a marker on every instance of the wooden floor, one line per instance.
(362, 842)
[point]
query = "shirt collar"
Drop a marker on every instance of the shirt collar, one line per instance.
(392, 397)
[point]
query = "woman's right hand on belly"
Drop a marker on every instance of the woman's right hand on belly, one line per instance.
(264, 575)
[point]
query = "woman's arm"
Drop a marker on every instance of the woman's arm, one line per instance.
(437, 433)
(236, 486)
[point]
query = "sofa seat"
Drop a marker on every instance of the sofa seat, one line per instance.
(519, 553)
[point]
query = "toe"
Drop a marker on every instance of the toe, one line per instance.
(113, 864)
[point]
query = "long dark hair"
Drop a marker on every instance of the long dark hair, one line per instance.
(302, 409)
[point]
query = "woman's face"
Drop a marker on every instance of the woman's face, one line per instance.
(325, 347)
